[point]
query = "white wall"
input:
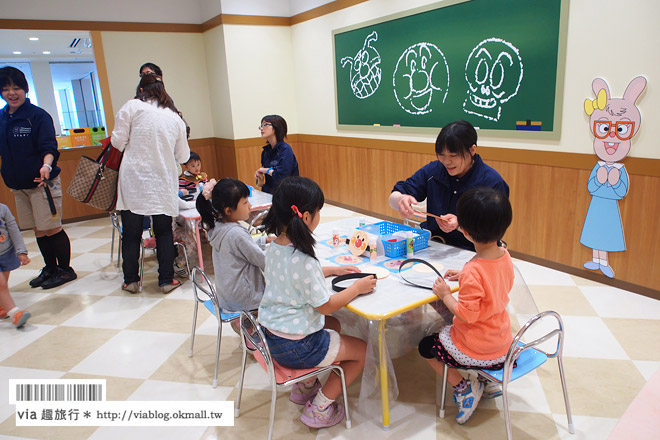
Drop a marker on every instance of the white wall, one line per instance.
(218, 92)
(43, 83)
(181, 56)
(261, 77)
(604, 39)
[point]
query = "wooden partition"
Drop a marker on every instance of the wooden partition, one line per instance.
(548, 193)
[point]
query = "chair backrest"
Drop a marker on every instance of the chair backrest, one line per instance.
(201, 282)
(253, 333)
(556, 330)
(255, 225)
(114, 220)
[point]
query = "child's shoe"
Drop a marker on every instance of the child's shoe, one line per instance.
(313, 417)
(468, 399)
(3, 313)
(301, 394)
(491, 390)
(21, 317)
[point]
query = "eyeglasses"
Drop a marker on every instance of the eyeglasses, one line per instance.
(264, 125)
(622, 129)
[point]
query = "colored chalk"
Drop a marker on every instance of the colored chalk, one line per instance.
(396, 125)
(376, 125)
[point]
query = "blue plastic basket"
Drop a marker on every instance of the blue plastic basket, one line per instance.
(397, 248)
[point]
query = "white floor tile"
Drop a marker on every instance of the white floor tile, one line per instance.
(112, 312)
(538, 275)
(158, 390)
(256, 377)
(98, 283)
(7, 373)
(19, 276)
(14, 340)
(78, 231)
(130, 353)
(24, 299)
(525, 394)
(149, 433)
(586, 428)
(610, 302)
(589, 337)
(647, 368)
(91, 262)
(83, 245)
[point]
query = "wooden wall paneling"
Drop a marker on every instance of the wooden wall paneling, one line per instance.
(248, 160)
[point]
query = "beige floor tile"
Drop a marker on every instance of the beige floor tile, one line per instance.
(60, 349)
(104, 233)
(489, 424)
(173, 315)
(565, 300)
(116, 388)
(200, 368)
(585, 282)
(55, 309)
(9, 428)
(26, 285)
(416, 380)
(254, 417)
(596, 387)
(640, 338)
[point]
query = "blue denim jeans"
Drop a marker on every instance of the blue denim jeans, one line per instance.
(303, 353)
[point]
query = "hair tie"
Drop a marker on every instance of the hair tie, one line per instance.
(295, 210)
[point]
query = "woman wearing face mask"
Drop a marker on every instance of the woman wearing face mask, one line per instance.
(443, 181)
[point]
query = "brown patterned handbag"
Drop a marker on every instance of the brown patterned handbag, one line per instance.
(95, 181)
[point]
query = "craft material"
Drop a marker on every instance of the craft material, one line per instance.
(349, 276)
(358, 243)
(335, 238)
(393, 246)
(380, 272)
(347, 259)
(409, 244)
(373, 247)
(423, 268)
(394, 264)
(424, 214)
(425, 280)
(362, 221)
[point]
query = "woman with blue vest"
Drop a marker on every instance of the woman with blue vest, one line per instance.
(443, 181)
(277, 158)
(28, 148)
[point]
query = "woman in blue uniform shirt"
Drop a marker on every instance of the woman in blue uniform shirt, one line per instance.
(443, 181)
(28, 148)
(277, 158)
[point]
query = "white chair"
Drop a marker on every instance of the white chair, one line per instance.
(254, 341)
(527, 359)
(210, 300)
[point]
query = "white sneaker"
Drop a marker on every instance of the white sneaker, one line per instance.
(468, 400)
(491, 390)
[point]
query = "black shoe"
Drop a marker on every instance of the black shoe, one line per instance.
(45, 273)
(62, 276)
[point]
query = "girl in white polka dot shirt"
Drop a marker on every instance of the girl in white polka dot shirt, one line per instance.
(296, 301)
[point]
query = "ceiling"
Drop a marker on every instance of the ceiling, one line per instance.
(56, 42)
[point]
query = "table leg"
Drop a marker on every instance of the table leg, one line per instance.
(199, 244)
(384, 392)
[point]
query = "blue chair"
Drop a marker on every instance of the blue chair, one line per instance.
(202, 282)
(527, 359)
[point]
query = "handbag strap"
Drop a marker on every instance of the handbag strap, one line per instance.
(104, 156)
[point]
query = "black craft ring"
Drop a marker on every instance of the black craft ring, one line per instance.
(348, 276)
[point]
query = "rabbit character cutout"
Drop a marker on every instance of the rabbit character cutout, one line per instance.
(613, 122)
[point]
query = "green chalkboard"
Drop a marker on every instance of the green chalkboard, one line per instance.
(490, 62)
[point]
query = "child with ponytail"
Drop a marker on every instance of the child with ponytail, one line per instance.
(296, 302)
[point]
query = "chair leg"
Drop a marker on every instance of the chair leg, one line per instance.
(569, 417)
(273, 402)
(185, 255)
(237, 409)
(119, 253)
(192, 335)
(112, 244)
(217, 353)
(141, 266)
(505, 400)
(343, 387)
(443, 396)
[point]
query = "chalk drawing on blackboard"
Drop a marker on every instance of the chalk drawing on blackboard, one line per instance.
(493, 71)
(365, 68)
(421, 70)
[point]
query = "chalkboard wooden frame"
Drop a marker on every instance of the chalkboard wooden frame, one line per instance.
(550, 124)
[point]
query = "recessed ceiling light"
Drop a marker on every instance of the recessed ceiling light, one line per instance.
(34, 38)
(17, 52)
(46, 52)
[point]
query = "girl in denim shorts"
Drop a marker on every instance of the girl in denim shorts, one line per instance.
(13, 254)
(296, 301)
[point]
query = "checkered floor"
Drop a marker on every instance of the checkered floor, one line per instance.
(90, 328)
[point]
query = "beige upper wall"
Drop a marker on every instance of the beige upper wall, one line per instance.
(182, 56)
(261, 76)
(625, 47)
(218, 92)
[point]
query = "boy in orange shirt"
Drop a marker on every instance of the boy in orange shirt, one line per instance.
(481, 332)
